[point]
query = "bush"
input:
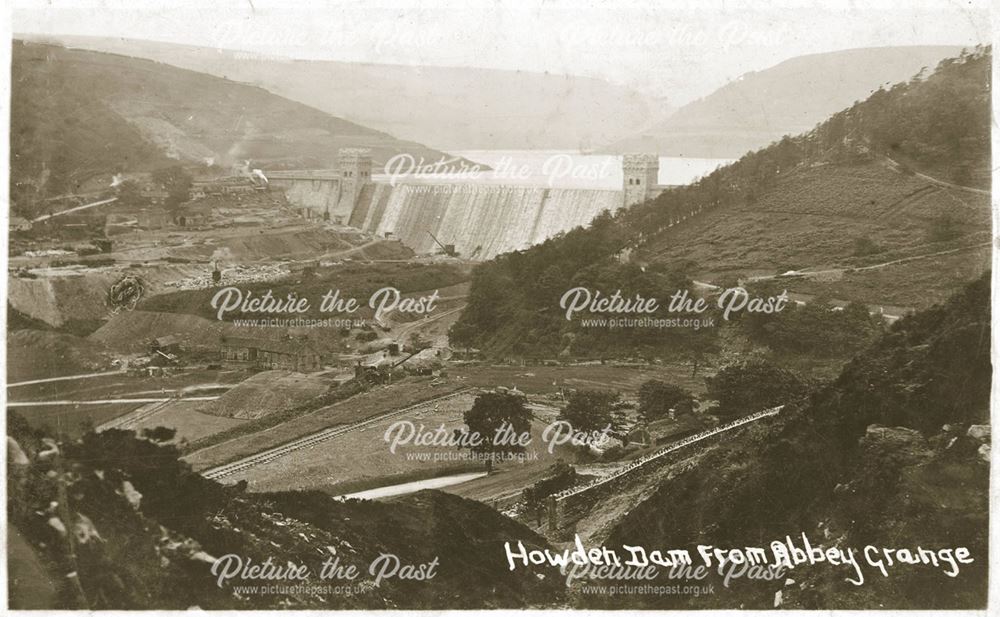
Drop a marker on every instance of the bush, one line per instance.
(751, 386)
(864, 246)
(657, 398)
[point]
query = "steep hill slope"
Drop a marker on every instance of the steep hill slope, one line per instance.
(39, 354)
(448, 107)
(843, 222)
(147, 531)
(762, 106)
(80, 116)
(882, 456)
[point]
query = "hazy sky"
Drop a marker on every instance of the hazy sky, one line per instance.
(669, 48)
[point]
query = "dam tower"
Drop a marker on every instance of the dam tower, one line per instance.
(355, 166)
(640, 178)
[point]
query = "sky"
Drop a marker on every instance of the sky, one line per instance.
(674, 49)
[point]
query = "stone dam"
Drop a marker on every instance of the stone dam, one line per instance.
(481, 221)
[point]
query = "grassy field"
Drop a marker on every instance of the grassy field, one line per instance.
(814, 218)
(71, 418)
(362, 460)
(377, 401)
(916, 284)
(190, 424)
(40, 354)
(551, 379)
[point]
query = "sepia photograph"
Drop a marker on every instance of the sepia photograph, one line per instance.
(498, 305)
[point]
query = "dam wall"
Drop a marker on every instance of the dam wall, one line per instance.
(320, 196)
(481, 220)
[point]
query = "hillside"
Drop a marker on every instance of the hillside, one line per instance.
(884, 455)
(78, 117)
(147, 531)
(842, 221)
(881, 204)
(455, 108)
(35, 354)
(789, 98)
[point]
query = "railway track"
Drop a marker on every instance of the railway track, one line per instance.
(308, 441)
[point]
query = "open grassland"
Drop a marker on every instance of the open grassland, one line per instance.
(362, 459)
(377, 401)
(915, 284)
(189, 423)
(553, 379)
(815, 218)
(71, 419)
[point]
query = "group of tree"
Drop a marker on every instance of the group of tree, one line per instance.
(495, 412)
(590, 411)
(177, 182)
(751, 386)
(658, 398)
(817, 328)
(514, 313)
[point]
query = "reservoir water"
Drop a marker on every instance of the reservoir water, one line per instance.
(545, 165)
(413, 487)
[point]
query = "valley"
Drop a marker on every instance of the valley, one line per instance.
(175, 373)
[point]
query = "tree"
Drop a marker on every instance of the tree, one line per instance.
(492, 412)
(591, 410)
(176, 181)
(751, 386)
(657, 398)
(159, 434)
(129, 194)
(418, 343)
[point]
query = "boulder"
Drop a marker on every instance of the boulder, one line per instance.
(133, 496)
(896, 441)
(15, 455)
(980, 432)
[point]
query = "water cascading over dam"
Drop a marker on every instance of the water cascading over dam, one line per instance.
(480, 220)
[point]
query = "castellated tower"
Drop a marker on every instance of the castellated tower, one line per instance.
(640, 177)
(355, 166)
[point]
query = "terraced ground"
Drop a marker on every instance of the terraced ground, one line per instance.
(378, 401)
(814, 219)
